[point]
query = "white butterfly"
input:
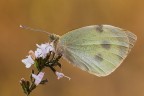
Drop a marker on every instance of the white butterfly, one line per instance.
(97, 49)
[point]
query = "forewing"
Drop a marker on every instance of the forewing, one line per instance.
(98, 49)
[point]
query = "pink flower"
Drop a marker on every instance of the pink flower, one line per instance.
(43, 50)
(61, 75)
(38, 78)
(28, 61)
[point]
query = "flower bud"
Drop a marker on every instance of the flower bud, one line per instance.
(32, 54)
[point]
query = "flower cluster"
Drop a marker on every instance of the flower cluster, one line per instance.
(43, 57)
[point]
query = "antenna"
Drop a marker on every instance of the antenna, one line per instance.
(37, 30)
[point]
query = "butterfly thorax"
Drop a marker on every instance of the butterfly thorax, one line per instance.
(55, 40)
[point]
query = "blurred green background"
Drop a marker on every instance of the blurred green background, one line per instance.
(59, 17)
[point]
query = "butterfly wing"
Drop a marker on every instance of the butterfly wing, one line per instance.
(97, 49)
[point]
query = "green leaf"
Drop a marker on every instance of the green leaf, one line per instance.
(36, 64)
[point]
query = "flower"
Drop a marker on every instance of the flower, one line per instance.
(28, 61)
(38, 53)
(43, 50)
(32, 54)
(61, 75)
(38, 78)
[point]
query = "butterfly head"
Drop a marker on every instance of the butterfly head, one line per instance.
(54, 37)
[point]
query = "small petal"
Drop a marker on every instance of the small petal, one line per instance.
(38, 78)
(38, 53)
(61, 75)
(50, 46)
(28, 61)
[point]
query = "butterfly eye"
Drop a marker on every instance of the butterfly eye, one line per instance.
(53, 37)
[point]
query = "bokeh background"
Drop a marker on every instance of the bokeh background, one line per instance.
(59, 17)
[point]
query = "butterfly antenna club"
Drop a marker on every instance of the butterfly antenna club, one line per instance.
(33, 29)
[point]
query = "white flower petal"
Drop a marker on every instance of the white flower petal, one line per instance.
(28, 65)
(28, 61)
(38, 78)
(38, 53)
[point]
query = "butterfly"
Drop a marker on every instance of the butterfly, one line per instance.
(97, 49)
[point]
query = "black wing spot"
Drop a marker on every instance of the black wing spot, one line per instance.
(106, 45)
(99, 58)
